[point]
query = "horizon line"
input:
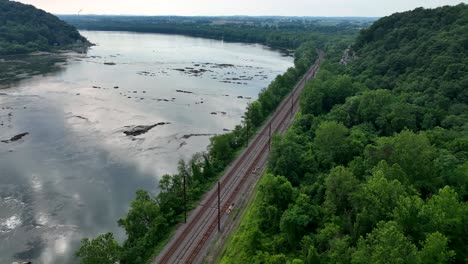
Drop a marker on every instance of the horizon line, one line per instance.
(215, 16)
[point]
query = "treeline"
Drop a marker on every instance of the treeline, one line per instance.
(24, 29)
(152, 218)
(285, 33)
(375, 167)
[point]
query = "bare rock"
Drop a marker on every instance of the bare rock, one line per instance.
(138, 130)
(15, 138)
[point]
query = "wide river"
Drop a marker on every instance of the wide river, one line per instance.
(76, 172)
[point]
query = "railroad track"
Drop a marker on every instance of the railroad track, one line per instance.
(191, 239)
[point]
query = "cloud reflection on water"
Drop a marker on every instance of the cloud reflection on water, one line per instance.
(76, 172)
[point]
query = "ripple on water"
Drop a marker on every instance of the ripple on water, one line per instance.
(9, 224)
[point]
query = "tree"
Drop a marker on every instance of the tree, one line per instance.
(376, 200)
(312, 98)
(277, 191)
(407, 214)
(436, 250)
(221, 150)
(312, 256)
(373, 104)
(276, 259)
(386, 244)
(208, 171)
(254, 114)
(25, 29)
(296, 219)
(144, 213)
(445, 214)
(340, 250)
(103, 249)
(330, 144)
(341, 185)
(286, 157)
(322, 94)
(415, 156)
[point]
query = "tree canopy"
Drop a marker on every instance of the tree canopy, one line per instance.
(377, 159)
(24, 29)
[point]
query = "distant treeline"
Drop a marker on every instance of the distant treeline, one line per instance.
(24, 29)
(278, 32)
(375, 168)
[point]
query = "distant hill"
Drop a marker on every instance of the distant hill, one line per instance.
(24, 29)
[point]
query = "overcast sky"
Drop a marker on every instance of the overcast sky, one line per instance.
(370, 8)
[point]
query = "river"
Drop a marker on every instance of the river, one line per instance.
(76, 172)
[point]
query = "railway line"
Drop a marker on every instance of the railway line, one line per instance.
(191, 239)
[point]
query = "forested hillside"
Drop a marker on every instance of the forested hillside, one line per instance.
(374, 169)
(24, 28)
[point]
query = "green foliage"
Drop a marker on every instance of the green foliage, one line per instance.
(277, 191)
(340, 184)
(103, 249)
(221, 149)
(321, 95)
(376, 201)
(331, 144)
(23, 29)
(377, 158)
(284, 158)
(414, 154)
(385, 244)
(298, 218)
(435, 249)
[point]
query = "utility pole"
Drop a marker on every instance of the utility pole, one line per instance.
(185, 201)
(219, 210)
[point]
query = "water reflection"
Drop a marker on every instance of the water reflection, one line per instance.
(76, 172)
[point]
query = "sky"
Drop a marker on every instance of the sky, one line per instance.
(366, 8)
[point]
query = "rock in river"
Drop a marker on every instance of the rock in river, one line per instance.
(15, 138)
(196, 135)
(138, 130)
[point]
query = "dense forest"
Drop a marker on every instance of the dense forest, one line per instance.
(152, 218)
(375, 167)
(278, 32)
(24, 29)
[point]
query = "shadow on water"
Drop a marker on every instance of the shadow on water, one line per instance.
(14, 68)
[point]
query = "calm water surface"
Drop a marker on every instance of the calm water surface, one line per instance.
(76, 172)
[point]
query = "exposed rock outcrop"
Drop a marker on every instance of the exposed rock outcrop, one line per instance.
(138, 130)
(348, 56)
(15, 138)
